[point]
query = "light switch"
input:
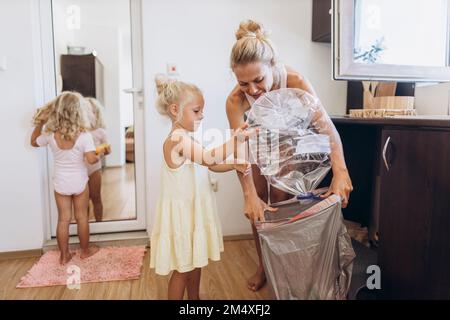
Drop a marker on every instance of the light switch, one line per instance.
(2, 63)
(172, 69)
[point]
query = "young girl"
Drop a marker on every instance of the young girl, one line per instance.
(66, 135)
(97, 127)
(187, 231)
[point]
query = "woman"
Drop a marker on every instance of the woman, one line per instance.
(253, 61)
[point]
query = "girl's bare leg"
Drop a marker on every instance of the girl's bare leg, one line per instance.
(95, 185)
(80, 204)
(64, 205)
(193, 284)
(177, 285)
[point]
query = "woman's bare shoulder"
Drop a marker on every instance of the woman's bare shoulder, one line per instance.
(236, 102)
(296, 80)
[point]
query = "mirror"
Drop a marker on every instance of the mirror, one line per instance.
(92, 44)
(404, 40)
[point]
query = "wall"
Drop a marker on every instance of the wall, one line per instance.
(22, 198)
(198, 36)
(432, 99)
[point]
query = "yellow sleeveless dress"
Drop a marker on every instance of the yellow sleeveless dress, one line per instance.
(187, 231)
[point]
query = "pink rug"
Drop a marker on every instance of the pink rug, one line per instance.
(108, 264)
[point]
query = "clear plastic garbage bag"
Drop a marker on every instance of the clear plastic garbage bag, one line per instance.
(307, 252)
(293, 147)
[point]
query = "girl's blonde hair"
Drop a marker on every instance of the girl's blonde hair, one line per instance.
(69, 117)
(252, 45)
(95, 114)
(42, 114)
(173, 92)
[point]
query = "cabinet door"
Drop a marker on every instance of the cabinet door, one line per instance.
(414, 214)
(321, 21)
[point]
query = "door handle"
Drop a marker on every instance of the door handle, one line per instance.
(384, 153)
(137, 94)
(132, 90)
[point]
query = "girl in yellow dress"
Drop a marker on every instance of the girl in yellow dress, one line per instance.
(187, 232)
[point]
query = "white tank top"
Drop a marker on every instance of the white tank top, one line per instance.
(283, 84)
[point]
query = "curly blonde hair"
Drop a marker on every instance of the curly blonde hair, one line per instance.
(43, 113)
(69, 117)
(95, 114)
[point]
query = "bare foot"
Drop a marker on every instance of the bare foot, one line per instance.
(258, 280)
(89, 252)
(65, 258)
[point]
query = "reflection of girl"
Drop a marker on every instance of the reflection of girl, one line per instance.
(72, 147)
(94, 170)
(253, 61)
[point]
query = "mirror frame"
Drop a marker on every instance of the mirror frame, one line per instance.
(344, 67)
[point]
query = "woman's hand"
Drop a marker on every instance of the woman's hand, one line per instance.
(243, 167)
(341, 185)
(255, 207)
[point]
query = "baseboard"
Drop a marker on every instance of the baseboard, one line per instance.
(137, 238)
(102, 240)
(20, 254)
(238, 237)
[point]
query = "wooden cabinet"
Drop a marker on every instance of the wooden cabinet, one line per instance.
(83, 74)
(321, 21)
(414, 251)
(400, 171)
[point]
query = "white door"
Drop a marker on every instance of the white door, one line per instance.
(78, 34)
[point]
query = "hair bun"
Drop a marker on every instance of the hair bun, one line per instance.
(250, 29)
(162, 82)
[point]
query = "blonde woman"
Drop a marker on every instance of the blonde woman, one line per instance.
(98, 132)
(254, 63)
(65, 134)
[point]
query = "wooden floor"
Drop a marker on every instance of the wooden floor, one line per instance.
(224, 280)
(118, 194)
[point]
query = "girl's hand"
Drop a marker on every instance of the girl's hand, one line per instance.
(107, 150)
(243, 167)
(341, 185)
(242, 134)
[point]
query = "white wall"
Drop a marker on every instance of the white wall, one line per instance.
(198, 36)
(432, 99)
(22, 185)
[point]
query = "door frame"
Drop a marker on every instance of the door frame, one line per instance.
(49, 92)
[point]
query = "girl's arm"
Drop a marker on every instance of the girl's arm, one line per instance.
(243, 168)
(89, 149)
(91, 157)
(36, 133)
(105, 140)
(192, 150)
(223, 167)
